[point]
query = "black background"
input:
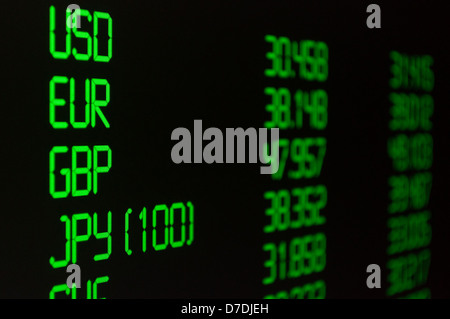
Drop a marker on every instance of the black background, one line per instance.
(176, 61)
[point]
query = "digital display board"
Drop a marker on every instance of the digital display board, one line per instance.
(216, 149)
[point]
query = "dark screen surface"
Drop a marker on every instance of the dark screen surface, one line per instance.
(216, 230)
